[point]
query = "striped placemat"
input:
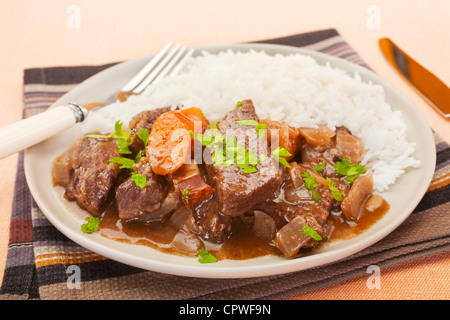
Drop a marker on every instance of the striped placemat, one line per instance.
(41, 260)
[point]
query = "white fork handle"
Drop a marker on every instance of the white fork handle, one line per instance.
(25, 133)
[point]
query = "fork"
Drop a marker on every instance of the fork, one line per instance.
(35, 129)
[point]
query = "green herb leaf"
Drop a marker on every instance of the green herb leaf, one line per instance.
(123, 146)
(119, 133)
(239, 104)
(139, 180)
(337, 195)
(250, 169)
(248, 122)
(284, 162)
(310, 184)
(352, 171)
(98, 136)
(281, 152)
(205, 140)
(138, 156)
(214, 126)
(123, 137)
(311, 232)
(262, 157)
(261, 129)
(118, 127)
(124, 162)
(320, 167)
(186, 196)
(206, 257)
(228, 152)
(278, 155)
(143, 134)
(92, 225)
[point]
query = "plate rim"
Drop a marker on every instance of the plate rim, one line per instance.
(281, 267)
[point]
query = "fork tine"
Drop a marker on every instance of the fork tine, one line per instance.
(182, 62)
(163, 68)
(134, 82)
(150, 77)
(169, 67)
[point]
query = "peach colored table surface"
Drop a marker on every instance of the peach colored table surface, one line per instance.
(61, 33)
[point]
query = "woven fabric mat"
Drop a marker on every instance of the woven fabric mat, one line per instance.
(39, 255)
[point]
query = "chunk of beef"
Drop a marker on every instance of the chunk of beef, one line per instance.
(143, 203)
(238, 192)
(190, 184)
(143, 120)
(210, 223)
(294, 206)
(328, 171)
(94, 177)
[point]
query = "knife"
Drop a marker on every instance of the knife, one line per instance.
(431, 87)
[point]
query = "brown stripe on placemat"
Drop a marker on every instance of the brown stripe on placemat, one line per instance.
(62, 75)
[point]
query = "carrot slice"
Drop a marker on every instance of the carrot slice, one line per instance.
(170, 142)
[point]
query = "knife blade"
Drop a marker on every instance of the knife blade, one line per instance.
(431, 87)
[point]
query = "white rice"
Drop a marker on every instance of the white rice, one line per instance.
(293, 88)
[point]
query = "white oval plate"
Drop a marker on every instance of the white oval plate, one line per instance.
(403, 196)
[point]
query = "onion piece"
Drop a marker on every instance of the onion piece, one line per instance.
(374, 203)
(264, 226)
(317, 137)
(353, 204)
(290, 238)
(186, 241)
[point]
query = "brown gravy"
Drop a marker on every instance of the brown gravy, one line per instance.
(243, 243)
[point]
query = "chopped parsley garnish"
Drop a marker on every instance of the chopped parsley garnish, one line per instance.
(320, 167)
(143, 135)
(138, 156)
(123, 146)
(249, 169)
(205, 140)
(239, 104)
(126, 163)
(262, 157)
(91, 225)
(310, 183)
(311, 232)
(248, 122)
(139, 180)
(123, 137)
(259, 127)
(228, 152)
(278, 155)
(186, 196)
(337, 195)
(206, 257)
(352, 171)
